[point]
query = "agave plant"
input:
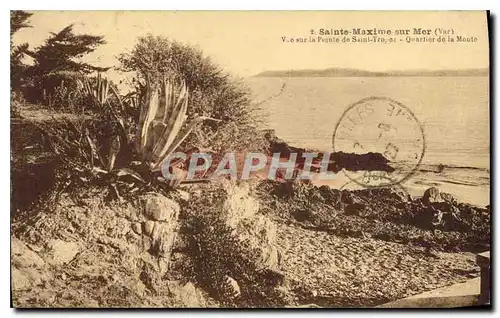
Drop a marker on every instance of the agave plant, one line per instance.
(163, 124)
(99, 91)
(163, 114)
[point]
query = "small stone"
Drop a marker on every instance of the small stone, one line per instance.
(181, 242)
(148, 227)
(36, 276)
(34, 247)
(137, 228)
(231, 288)
(140, 288)
(448, 198)
(157, 232)
(146, 242)
(187, 295)
(92, 303)
(184, 196)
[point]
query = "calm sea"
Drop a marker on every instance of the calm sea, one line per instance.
(454, 111)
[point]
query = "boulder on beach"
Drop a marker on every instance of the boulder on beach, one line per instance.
(433, 195)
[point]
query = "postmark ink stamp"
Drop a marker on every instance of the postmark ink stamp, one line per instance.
(385, 126)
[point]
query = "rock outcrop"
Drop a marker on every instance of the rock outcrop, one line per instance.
(433, 195)
(338, 160)
(92, 253)
(256, 230)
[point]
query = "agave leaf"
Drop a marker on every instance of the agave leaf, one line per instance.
(97, 170)
(119, 120)
(98, 86)
(128, 172)
(102, 88)
(177, 125)
(114, 149)
(149, 107)
(158, 160)
(169, 95)
(93, 148)
(172, 129)
(105, 91)
(156, 131)
(175, 121)
(118, 97)
(142, 116)
(88, 89)
(151, 112)
(173, 116)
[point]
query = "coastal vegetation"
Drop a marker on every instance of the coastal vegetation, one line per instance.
(94, 223)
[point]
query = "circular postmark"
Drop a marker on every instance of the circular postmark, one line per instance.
(387, 129)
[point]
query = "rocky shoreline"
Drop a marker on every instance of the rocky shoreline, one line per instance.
(292, 244)
(242, 244)
(338, 160)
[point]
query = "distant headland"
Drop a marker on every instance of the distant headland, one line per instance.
(352, 72)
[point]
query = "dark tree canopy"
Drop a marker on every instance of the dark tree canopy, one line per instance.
(57, 64)
(19, 20)
(61, 52)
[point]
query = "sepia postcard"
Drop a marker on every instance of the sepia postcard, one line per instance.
(250, 159)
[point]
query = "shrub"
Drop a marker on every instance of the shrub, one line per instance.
(112, 148)
(59, 91)
(213, 93)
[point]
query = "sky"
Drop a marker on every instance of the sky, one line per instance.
(246, 43)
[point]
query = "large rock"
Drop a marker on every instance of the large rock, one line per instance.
(20, 280)
(23, 257)
(269, 257)
(115, 258)
(431, 195)
(349, 197)
(239, 205)
(160, 208)
(183, 195)
(160, 228)
(59, 252)
(28, 268)
(187, 295)
(251, 227)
